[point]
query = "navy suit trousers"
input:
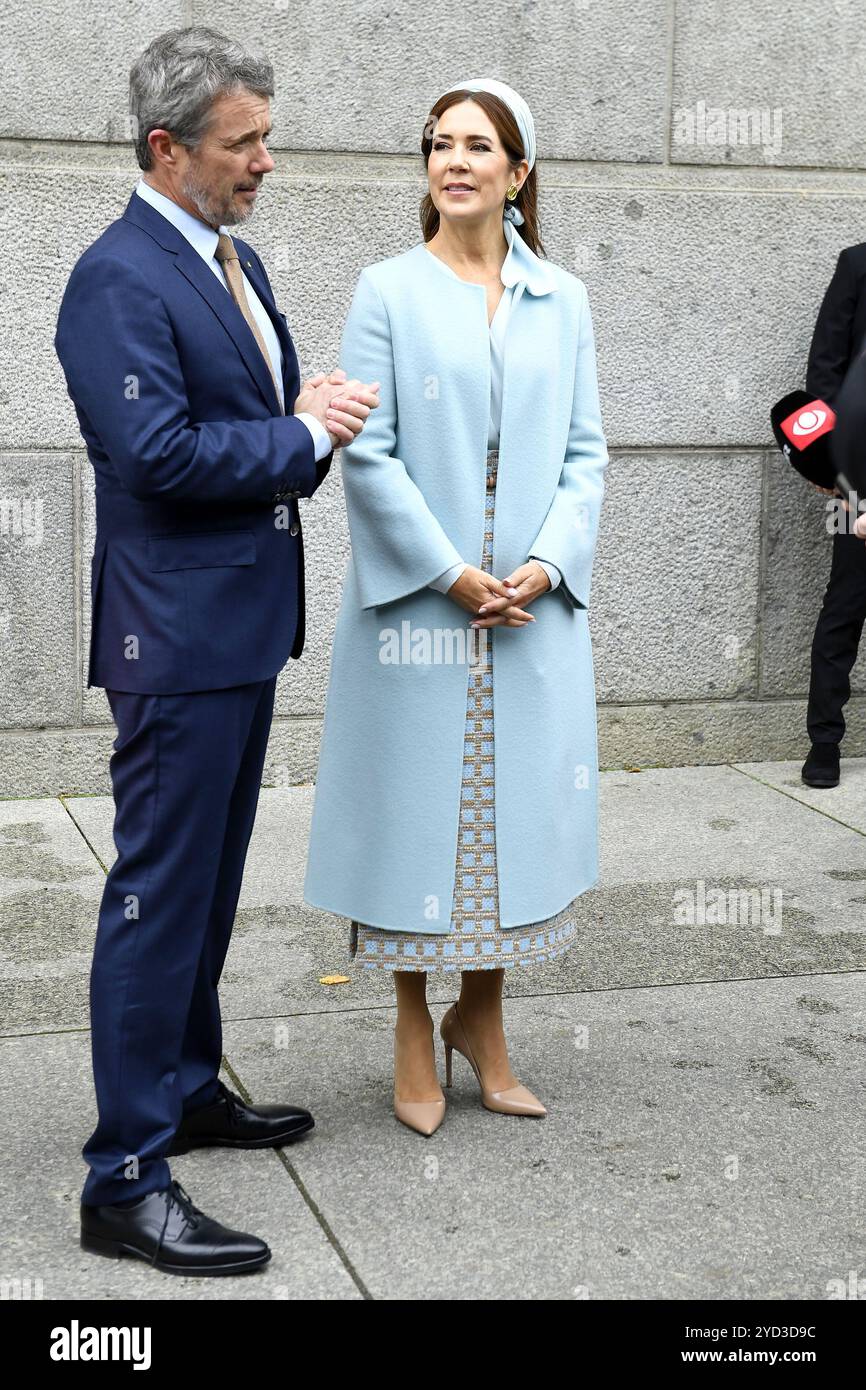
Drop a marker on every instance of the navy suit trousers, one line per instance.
(186, 773)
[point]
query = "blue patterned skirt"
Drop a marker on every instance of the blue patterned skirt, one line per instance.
(475, 940)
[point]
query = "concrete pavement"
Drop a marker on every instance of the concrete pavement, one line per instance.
(700, 1050)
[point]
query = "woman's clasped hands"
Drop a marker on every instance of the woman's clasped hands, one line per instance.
(500, 602)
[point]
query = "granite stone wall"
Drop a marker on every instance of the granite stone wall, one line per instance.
(701, 165)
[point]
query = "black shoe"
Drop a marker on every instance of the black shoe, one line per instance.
(821, 768)
(229, 1123)
(165, 1229)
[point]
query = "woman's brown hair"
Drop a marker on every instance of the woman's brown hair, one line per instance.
(509, 134)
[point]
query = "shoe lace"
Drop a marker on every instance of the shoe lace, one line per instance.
(180, 1198)
(233, 1102)
(185, 1204)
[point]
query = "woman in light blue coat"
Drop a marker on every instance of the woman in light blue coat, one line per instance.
(455, 815)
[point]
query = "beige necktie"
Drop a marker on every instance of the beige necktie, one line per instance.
(228, 258)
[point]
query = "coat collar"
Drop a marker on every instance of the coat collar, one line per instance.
(521, 265)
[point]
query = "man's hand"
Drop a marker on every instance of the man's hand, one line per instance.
(341, 406)
(477, 591)
(834, 492)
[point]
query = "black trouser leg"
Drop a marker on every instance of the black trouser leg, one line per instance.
(837, 637)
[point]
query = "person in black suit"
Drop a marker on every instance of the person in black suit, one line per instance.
(840, 334)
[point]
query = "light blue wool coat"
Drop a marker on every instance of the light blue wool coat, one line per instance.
(384, 833)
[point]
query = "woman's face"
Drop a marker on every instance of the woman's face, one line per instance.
(468, 170)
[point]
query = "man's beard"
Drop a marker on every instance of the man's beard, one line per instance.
(216, 212)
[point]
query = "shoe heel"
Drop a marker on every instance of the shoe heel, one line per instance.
(101, 1245)
(448, 1051)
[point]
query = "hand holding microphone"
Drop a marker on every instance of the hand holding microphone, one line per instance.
(825, 444)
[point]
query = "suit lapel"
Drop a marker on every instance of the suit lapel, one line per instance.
(193, 268)
(191, 265)
(254, 275)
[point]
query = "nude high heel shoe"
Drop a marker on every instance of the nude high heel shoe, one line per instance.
(425, 1116)
(517, 1100)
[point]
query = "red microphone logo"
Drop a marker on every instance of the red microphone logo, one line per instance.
(808, 423)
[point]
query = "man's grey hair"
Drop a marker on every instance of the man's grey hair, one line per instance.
(178, 77)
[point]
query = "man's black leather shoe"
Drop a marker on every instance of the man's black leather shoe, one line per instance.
(168, 1231)
(821, 768)
(229, 1123)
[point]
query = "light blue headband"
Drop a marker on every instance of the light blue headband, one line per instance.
(522, 115)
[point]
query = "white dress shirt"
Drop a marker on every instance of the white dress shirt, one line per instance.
(498, 325)
(203, 239)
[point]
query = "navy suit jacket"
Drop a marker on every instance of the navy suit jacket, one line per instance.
(197, 576)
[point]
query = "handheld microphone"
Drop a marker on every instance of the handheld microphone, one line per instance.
(803, 427)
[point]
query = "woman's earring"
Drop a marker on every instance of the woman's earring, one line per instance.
(512, 213)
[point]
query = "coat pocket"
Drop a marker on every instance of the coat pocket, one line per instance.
(207, 550)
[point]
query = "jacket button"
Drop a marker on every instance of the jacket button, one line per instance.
(294, 528)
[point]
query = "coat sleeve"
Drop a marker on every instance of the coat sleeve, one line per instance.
(113, 325)
(846, 440)
(830, 350)
(398, 546)
(569, 532)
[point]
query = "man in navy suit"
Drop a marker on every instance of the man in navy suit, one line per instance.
(186, 385)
